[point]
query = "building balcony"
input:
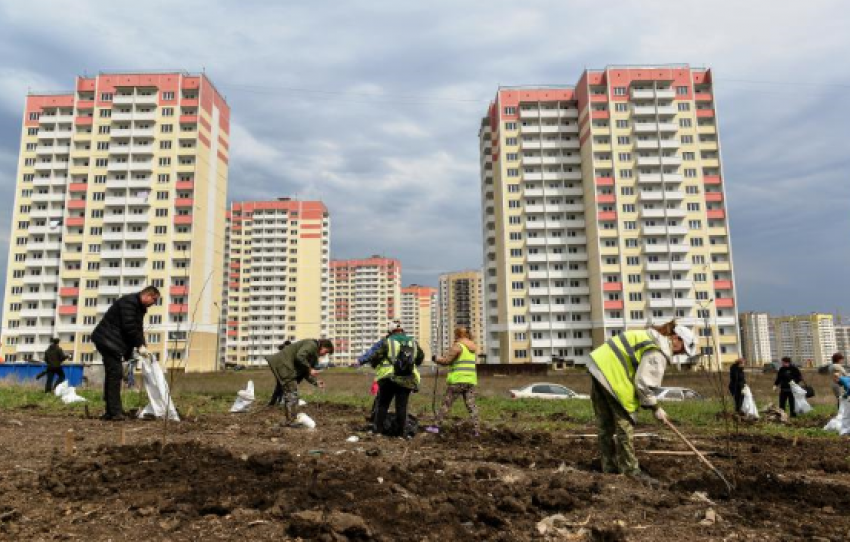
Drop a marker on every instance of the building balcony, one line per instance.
(645, 127)
(184, 202)
(666, 110)
(604, 181)
(612, 286)
(668, 127)
(606, 198)
(606, 215)
(67, 310)
(705, 113)
(69, 292)
(178, 290)
(662, 303)
(714, 196)
(722, 284)
(613, 304)
(643, 94)
(715, 214)
(646, 144)
(711, 179)
(671, 161)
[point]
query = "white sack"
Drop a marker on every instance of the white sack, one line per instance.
(68, 394)
(156, 387)
(801, 406)
(748, 407)
(305, 420)
(841, 422)
(244, 399)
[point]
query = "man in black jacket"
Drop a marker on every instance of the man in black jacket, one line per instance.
(737, 381)
(54, 356)
(787, 373)
(118, 333)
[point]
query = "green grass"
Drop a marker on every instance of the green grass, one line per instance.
(208, 394)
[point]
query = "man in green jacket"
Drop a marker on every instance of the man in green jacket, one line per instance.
(297, 362)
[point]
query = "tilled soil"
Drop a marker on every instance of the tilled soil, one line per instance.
(245, 476)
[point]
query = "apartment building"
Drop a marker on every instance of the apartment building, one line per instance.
(604, 210)
(842, 338)
(755, 337)
(809, 339)
(419, 316)
(461, 304)
(121, 183)
(365, 296)
(277, 277)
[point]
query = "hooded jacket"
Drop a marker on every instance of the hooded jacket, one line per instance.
(122, 327)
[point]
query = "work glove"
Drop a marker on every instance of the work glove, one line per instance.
(660, 415)
(143, 351)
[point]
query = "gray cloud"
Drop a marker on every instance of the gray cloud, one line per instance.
(384, 128)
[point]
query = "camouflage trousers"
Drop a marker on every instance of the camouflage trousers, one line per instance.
(453, 391)
(615, 430)
(290, 399)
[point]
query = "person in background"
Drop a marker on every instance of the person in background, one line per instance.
(391, 385)
(374, 389)
(277, 394)
(787, 373)
(842, 381)
(737, 381)
(461, 380)
(837, 367)
(296, 362)
(54, 356)
(625, 370)
(118, 333)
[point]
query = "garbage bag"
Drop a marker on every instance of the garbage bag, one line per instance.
(68, 394)
(244, 399)
(801, 406)
(159, 398)
(748, 407)
(841, 422)
(394, 428)
(305, 420)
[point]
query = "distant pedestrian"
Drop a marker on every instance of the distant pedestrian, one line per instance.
(277, 395)
(54, 356)
(837, 367)
(787, 373)
(119, 332)
(393, 382)
(625, 370)
(843, 383)
(461, 381)
(374, 390)
(737, 381)
(297, 362)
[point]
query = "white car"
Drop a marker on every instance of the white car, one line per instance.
(676, 394)
(545, 390)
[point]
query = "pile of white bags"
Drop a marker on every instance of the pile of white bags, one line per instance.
(67, 393)
(841, 422)
(801, 406)
(157, 389)
(244, 399)
(748, 407)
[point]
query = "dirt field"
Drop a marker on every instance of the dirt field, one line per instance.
(226, 477)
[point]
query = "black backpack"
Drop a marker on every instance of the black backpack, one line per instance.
(405, 356)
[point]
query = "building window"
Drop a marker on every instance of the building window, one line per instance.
(682, 91)
(685, 123)
(684, 106)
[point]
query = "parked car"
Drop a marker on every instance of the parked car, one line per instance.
(677, 394)
(545, 390)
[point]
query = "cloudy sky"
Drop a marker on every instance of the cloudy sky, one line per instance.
(374, 108)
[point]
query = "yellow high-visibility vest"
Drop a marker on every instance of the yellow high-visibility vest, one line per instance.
(618, 360)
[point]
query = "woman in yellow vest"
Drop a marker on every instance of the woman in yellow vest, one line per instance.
(625, 370)
(461, 380)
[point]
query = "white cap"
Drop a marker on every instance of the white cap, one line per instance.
(688, 338)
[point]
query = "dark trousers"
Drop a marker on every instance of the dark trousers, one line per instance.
(785, 395)
(738, 394)
(52, 372)
(387, 391)
(113, 375)
(277, 395)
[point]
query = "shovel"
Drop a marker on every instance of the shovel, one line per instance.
(699, 454)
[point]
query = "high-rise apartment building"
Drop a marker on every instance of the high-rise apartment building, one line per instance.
(365, 296)
(604, 210)
(419, 316)
(809, 339)
(277, 277)
(461, 304)
(842, 338)
(755, 337)
(121, 183)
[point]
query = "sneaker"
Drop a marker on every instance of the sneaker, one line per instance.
(433, 429)
(645, 479)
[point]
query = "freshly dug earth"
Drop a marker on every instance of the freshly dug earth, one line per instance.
(244, 476)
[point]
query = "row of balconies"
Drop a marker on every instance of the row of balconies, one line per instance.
(654, 178)
(653, 110)
(652, 143)
(655, 127)
(532, 143)
(141, 99)
(553, 176)
(564, 240)
(650, 94)
(547, 113)
(554, 224)
(136, 116)
(56, 119)
(555, 208)
(550, 160)
(565, 308)
(54, 134)
(549, 129)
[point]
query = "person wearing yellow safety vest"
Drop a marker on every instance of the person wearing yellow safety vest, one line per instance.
(462, 379)
(625, 370)
(391, 385)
